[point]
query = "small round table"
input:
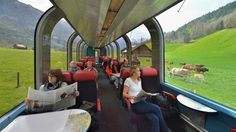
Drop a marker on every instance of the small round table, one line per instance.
(73, 120)
(194, 105)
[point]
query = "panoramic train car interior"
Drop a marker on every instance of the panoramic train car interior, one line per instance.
(101, 35)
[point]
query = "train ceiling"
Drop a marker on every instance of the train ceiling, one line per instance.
(100, 22)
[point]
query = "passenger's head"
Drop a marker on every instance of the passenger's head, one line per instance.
(135, 71)
(125, 61)
(55, 76)
(73, 64)
(89, 64)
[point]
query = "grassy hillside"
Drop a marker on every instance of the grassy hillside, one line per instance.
(218, 53)
(211, 22)
(13, 61)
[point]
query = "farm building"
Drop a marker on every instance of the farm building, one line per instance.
(19, 46)
(140, 50)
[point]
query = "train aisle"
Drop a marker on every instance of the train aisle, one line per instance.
(113, 118)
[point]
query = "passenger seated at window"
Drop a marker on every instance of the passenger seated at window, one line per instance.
(132, 86)
(73, 67)
(108, 68)
(113, 76)
(125, 64)
(54, 82)
(90, 67)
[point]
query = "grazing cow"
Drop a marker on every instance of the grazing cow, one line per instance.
(199, 77)
(199, 65)
(169, 62)
(182, 63)
(179, 72)
(188, 66)
(201, 69)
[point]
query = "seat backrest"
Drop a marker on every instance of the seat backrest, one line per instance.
(124, 73)
(86, 85)
(150, 80)
(67, 77)
(80, 64)
(115, 65)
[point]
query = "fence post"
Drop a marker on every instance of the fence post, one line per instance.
(17, 80)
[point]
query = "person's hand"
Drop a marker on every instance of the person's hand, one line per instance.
(76, 93)
(28, 101)
(133, 97)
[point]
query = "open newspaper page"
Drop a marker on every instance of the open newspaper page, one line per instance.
(52, 100)
(65, 96)
(142, 95)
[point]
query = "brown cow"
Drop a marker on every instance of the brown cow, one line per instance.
(201, 69)
(188, 66)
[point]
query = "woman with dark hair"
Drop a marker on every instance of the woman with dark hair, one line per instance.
(132, 87)
(54, 81)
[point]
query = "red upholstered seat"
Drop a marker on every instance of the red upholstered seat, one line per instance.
(83, 60)
(82, 76)
(87, 87)
(67, 77)
(125, 73)
(150, 80)
(149, 72)
(80, 64)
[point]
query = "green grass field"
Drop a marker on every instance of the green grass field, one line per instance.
(13, 61)
(218, 53)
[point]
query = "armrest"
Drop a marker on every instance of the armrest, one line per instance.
(98, 104)
(172, 96)
(127, 102)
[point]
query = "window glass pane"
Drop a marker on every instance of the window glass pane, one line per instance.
(114, 50)
(122, 45)
(200, 49)
(60, 36)
(14, 61)
(141, 46)
(74, 48)
(17, 25)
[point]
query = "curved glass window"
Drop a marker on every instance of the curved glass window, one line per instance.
(114, 50)
(141, 46)
(17, 25)
(60, 36)
(200, 49)
(74, 48)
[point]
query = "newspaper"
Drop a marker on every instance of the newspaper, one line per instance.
(52, 100)
(142, 95)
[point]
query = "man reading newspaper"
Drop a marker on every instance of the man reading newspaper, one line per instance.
(52, 100)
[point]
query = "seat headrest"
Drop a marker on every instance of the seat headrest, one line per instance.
(125, 73)
(67, 77)
(93, 64)
(121, 62)
(115, 63)
(83, 60)
(81, 76)
(91, 59)
(149, 72)
(80, 64)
